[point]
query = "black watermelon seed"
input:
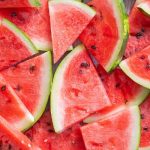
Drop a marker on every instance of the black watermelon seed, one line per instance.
(143, 30)
(13, 14)
(93, 47)
(3, 88)
(145, 128)
(138, 35)
(85, 64)
(32, 68)
(117, 85)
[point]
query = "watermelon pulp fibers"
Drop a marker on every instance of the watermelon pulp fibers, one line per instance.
(14, 44)
(68, 19)
(31, 80)
(34, 21)
(18, 3)
(145, 134)
(137, 67)
(100, 32)
(116, 132)
(139, 31)
(69, 100)
(42, 134)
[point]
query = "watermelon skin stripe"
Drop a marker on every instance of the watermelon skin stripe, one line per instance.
(35, 3)
(20, 34)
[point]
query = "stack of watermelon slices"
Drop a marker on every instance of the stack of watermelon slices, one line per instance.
(96, 102)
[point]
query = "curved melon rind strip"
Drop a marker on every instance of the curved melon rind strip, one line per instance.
(144, 7)
(124, 66)
(35, 3)
(20, 34)
(123, 26)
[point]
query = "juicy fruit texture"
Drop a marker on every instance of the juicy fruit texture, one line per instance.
(137, 67)
(100, 32)
(12, 108)
(68, 19)
(114, 132)
(18, 3)
(37, 18)
(139, 31)
(121, 89)
(145, 134)
(11, 138)
(14, 44)
(31, 80)
(145, 7)
(70, 102)
(42, 134)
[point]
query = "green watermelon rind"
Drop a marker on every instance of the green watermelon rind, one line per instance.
(144, 8)
(45, 88)
(20, 34)
(90, 11)
(57, 84)
(35, 3)
(120, 48)
(143, 82)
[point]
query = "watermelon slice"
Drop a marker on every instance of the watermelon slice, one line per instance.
(68, 19)
(121, 89)
(42, 134)
(14, 44)
(31, 80)
(12, 108)
(139, 31)
(18, 3)
(69, 100)
(11, 138)
(145, 7)
(137, 67)
(120, 131)
(100, 32)
(37, 18)
(145, 134)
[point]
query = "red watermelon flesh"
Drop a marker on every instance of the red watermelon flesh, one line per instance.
(68, 19)
(12, 139)
(18, 3)
(14, 45)
(145, 134)
(34, 21)
(42, 134)
(31, 80)
(115, 132)
(120, 88)
(100, 32)
(139, 31)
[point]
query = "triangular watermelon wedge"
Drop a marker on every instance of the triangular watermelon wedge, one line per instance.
(106, 35)
(12, 108)
(14, 44)
(120, 131)
(11, 138)
(19, 3)
(68, 19)
(31, 80)
(137, 67)
(77, 90)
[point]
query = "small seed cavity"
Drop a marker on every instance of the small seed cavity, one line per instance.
(3, 88)
(142, 57)
(18, 87)
(85, 65)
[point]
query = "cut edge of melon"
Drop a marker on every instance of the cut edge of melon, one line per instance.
(20, 34)
(136, 127)
(35, 3)
(140, 97)
(123, 26)
(144, 7)
(28, 119)
(45, 85)
(91, 12)
(126, 69)
(56, 86)
(95, 117)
